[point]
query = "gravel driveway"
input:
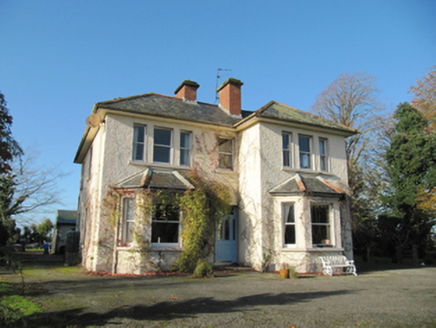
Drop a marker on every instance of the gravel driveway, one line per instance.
(380, 298)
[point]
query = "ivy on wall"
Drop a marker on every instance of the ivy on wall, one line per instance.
(202, 209)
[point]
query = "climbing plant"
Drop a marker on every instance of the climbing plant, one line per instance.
(202, 209)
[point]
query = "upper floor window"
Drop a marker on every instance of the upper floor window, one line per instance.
(289, 223)
(138, 142)
(185, 148)
(128, 221)
(323, 160)
(320, 225)
(304, 143)
(166, 224)
(286, 146)
(225, 152)
(162, 145)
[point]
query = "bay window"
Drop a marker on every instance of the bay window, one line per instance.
(288, 215)
(166, 224)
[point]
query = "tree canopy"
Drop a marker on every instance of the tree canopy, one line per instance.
(411, 159)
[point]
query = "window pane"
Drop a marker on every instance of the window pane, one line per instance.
(323, 163)
(138, 152)
(138, 142)
(320, 234)
(138, 134)
(304, 161)
(185, 140)
(225, 161)
(290, 214)
(322, 147)
(304, 143)
(164, 232)
(290, 234)
(285, 139)
(184, 157)
(162, 137)
(161, 154)
(225, 145)
(319, 213)
(128, 219)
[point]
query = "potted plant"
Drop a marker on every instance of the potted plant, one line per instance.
(284, 271)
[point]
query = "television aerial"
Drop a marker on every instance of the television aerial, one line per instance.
(93, 120)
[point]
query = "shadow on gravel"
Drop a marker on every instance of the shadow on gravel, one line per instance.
(174, 309)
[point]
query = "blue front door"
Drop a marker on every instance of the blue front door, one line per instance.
(225, 245)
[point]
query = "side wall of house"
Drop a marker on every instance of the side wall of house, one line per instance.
(250, 250)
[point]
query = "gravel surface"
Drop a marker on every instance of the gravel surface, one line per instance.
(396, 297)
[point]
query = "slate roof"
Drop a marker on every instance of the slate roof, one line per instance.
(276, 110)
(165, 106)
(171, 107)
(66, 217)
(306, 185)
(156, 179)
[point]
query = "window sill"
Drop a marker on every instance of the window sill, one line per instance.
(225, 171)
(165, 247)
(290, 169)
(317, 249)
(160, 165)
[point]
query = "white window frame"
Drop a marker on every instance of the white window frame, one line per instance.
(309, 154)
(170, 146)
(136, 143)
(127, 221)
(291, 206)
(287, 152)
(188, 149)
(323, 158)
(232, 154)
(328, 225)
(179, 231)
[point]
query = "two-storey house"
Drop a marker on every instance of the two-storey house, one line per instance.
(286, 170)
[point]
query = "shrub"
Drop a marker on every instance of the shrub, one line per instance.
(203, 269)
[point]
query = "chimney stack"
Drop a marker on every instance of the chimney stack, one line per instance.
(230, 96)
(187, 90)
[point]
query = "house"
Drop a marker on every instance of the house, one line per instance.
(286, 171)
(65, 221)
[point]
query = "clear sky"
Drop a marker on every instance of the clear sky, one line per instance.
(58, 58)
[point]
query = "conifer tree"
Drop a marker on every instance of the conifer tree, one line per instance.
(411, 159)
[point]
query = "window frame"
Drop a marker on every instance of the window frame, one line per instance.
(179, 229)
(126, 221)
(328, 225)
(188, 149)
(136, 143)
(232, 154)
(288, 150)
(308, 154)
(169, 147)
(323, 158)
(285, 223)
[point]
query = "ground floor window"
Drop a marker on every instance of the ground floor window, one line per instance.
(288, 215)
(128, 220)
(320, 216)
(165, 225)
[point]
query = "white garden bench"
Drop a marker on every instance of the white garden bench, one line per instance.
(331, 262)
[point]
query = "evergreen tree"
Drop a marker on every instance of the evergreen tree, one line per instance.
(411, 159)
(9, 149)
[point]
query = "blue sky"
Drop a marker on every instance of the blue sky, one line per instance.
(58, 58)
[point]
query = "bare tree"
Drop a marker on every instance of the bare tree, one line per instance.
(36, 185)
(351, 100)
